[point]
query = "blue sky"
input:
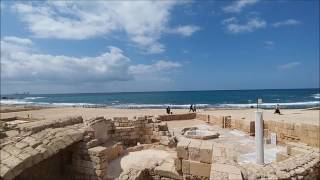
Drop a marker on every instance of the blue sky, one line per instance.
(104, 46)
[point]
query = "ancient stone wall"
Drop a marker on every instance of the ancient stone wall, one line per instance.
(56, 167)
(174, 117)
(132, 131)
(34, 146)
(286, 131)
(302, 163)
(306, 133)
(194, 158)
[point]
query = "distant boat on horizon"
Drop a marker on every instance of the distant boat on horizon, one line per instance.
(24, 93)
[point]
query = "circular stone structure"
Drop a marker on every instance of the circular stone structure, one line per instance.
(196, 133)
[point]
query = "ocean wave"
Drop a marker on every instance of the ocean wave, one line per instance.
(316, 96)
(14, 102)
(73, 104)
(272, 105)
(159, 106)
(24, 102)
(32, 98)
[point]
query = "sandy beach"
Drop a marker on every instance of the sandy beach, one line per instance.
(290, 115)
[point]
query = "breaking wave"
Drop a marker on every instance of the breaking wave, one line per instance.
(316, 96)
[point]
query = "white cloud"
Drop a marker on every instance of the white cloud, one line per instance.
(159, 67)
(20, 64)
(233, 26)
(288, 22)
(238, 5)
(289, 65)
(16, 40)
(187, 30)
(143, 22)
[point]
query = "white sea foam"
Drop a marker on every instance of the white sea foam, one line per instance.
(14, 101)
(159, 106)
(316, 96)
(272, 105)
(24, 102)
(32, 98)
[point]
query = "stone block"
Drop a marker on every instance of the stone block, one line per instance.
(194, 150)
(4, 155)
(281, 156)
(200, 169)
(98, 151)
(178, 164)
(21, 145)
(185, 166)
(226, 168)
(182, 148)
(11, 162)
(167, 170)
(31, 141)
(206, 152)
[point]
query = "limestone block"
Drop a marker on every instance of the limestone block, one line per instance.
(31, 141)
(4, 170)
(100, 127)
(182, 148)
(178, 164)
(235, 177)
(194, 150)
(185, 166)
(26, 158)
(226, 168)
(281, 156)
(200, 169)
(21, 145)
(297, 150)
(206, 152)
(4, 155)
(98, 151)
(167, 170)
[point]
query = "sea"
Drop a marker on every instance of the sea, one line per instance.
(286, 98)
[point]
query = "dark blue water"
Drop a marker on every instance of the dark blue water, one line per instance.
(287, 98)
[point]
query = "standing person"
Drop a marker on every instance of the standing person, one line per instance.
(168, 110)
(191, 108)
(194, 108)
(277, 110)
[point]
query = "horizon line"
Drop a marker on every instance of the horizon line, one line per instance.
(111, 92)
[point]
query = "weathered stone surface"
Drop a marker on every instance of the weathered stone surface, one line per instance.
(3, 155)
(200, 169)
(178, 164)
(194, 150)
(185, 166)
(167, 170)
(98, 151)
(206, 152)
(182, 148)
(21, 145)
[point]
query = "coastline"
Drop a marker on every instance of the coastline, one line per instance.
(290, 115)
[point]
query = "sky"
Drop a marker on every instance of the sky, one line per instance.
(121, 46)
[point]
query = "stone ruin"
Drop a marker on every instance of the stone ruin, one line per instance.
(196, 133)
(73, 148)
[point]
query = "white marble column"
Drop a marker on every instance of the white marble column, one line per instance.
(259, 136)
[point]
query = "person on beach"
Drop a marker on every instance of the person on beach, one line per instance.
(194, 108)
(168, 110)
(191, 108)
(277, 110)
